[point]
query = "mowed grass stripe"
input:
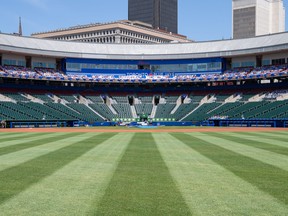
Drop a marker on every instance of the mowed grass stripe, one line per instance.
(8, 136)
(267, 178)
(37, 141)
(141, 184)
(19, 157)
(72, 189)
(19, 138)
(209, 188)
(274, 159)
(284, 132)
(272, 136)
(262, 137)
(16, 179)
(255, 141)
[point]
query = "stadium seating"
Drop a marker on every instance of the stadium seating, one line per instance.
(120, 99)
(16, 96)
(235, 74)
(201, 113)
(164, 110)
(68, 98)
(146, 99)
(143, 108)
(64, 110)
(43, 97)
(221, 98)
(171, 99)
(85, 113)
(95, 99)
(196, 107)
(124, 110)
(183, 109)
(103, 110)
(14, 111)
(97, 110)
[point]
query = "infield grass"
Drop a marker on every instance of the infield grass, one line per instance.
(211, 173)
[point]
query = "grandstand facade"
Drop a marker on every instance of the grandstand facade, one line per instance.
(60, 82)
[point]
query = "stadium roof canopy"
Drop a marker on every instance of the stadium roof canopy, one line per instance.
(222, 48)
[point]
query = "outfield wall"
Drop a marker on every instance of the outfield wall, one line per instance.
(274, 123)
(250, 123)
(42, 124)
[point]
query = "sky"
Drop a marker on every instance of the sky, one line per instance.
(199, 20)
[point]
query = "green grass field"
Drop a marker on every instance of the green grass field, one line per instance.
(144, 173)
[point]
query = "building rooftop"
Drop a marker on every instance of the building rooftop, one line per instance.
(88, 27)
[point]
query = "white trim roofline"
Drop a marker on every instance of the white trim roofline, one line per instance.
(223, 48)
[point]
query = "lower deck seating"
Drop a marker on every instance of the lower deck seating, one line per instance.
(144, 108)
(103, 110)
(94, 109)
(123, 110)
(164, 110)
(183, 110)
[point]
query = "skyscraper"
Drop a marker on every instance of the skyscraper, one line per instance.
(257, 17)
(161, 14)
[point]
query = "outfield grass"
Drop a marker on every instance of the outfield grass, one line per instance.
(199, 173)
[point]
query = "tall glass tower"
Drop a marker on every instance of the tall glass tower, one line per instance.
(161, 14)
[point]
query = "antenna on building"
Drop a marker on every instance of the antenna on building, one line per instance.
(20, 27)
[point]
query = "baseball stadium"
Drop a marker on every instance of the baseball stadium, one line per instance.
(196, 128)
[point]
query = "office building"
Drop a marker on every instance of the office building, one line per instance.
(161, 14)
(123, 31)
(257, 17)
